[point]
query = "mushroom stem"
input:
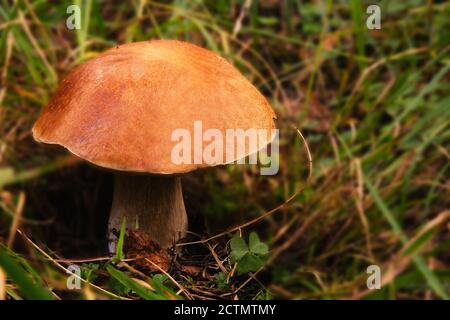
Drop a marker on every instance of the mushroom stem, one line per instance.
(153, 204)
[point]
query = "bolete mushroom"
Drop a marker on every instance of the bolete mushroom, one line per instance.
(120, 109)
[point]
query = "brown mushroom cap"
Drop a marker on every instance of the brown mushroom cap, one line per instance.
(119, 109)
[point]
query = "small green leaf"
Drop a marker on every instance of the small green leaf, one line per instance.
(159, 278)
(264, 295)
(161, 288)
(88, 271)
(253, 239)
(256, 246)
(238, 248)
(220, 280)
(260, 249)
(249, 263)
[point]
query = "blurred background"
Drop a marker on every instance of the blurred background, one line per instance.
(372, 104)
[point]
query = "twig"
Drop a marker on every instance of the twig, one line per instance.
(359, 202)
(17, 215)
(238, 24)
(219, 263)
(86, 260)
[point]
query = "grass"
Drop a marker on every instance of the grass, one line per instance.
(373, 106)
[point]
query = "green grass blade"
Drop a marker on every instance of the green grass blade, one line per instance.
(119, 249)
(133, 285)
(420, 263)
(28, 288)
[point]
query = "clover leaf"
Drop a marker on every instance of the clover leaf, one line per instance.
(249, 257)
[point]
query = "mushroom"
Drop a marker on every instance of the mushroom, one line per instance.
(120, 109)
